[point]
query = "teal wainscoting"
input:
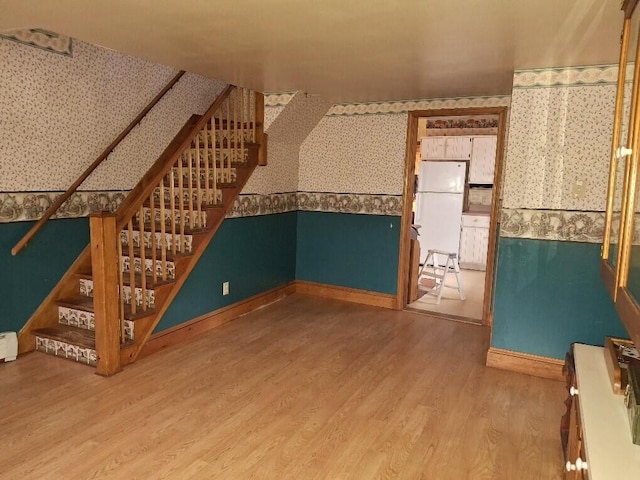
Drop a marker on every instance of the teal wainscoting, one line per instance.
(26, 279)
(548, 295)
(356, 251)
(253, 254)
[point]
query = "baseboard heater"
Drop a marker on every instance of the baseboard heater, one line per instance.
(8, 346)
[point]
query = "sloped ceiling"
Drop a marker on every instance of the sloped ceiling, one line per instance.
(345, 50)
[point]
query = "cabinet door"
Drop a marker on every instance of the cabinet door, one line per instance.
(483, 159)
(474, 241)
(575, 467)
(466, 245)
(432, 148)
(458, 148)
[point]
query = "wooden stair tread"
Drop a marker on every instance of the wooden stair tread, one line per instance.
(68, 334)
(84, 303)
(151, 284)
(77, 302)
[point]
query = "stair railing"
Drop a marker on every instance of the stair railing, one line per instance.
(171, 198)
(53, 208)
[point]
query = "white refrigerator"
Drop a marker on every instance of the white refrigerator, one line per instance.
(439, 202)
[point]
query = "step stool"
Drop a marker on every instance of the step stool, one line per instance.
(433, 268)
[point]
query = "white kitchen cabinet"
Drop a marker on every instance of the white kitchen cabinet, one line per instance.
(445, 148)
(483, 160)
(474, 242)
(432, 148)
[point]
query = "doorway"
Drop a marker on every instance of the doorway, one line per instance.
(447, 135)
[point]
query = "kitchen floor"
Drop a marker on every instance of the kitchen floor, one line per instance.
(469, 309)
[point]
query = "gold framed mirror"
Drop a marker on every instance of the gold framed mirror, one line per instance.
(620, 165)
(626, 266)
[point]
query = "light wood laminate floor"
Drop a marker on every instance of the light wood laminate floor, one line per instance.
(306, 388)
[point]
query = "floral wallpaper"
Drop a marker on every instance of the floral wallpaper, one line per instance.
(286, 133)
(559, 136)
(59, 113)
(361, 147)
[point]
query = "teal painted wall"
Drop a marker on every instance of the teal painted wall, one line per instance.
(356, 251)
(548, 295)
(26, 279)
(253, 254)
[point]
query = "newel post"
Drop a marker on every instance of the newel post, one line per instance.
(104, 266)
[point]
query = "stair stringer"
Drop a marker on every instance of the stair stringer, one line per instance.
(215, 217)
(46, 314)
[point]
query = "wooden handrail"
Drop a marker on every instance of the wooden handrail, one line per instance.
(65, 196)
(165, 162)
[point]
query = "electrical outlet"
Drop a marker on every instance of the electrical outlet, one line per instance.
(225, 288)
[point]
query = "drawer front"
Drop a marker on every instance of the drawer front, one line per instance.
(479, 221)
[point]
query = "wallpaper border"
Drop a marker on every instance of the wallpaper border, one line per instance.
(403, 106)
(359, 203)
(277, 99)
(41, 39)
(566, 76)
(30, 206)
(562, 225)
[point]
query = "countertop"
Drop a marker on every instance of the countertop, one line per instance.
(478, 210)
(610, 451)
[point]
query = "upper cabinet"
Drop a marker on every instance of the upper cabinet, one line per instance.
(483, 160)
(620, 264)
(445, 148)
(480, 151)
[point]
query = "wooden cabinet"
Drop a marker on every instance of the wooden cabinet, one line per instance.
(445, 148)
(595, 430)
(576, 466)
(474, 241)
(483, 159)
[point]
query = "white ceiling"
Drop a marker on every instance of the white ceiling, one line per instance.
(345, 50)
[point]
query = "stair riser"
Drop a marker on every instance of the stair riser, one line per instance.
(222, 176)
(86, 289)
(188, 241)
(227, 135)
(137, 264)
(78, 354)
(209, 196)
(87, 321)
(222, 157)
(192, 219)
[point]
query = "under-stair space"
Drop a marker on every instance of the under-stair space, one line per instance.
(155, 240)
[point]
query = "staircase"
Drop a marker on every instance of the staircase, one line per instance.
(106, 306)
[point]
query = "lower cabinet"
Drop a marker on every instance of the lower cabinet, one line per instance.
(474, 242)
(576, 466)
(595, 432)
